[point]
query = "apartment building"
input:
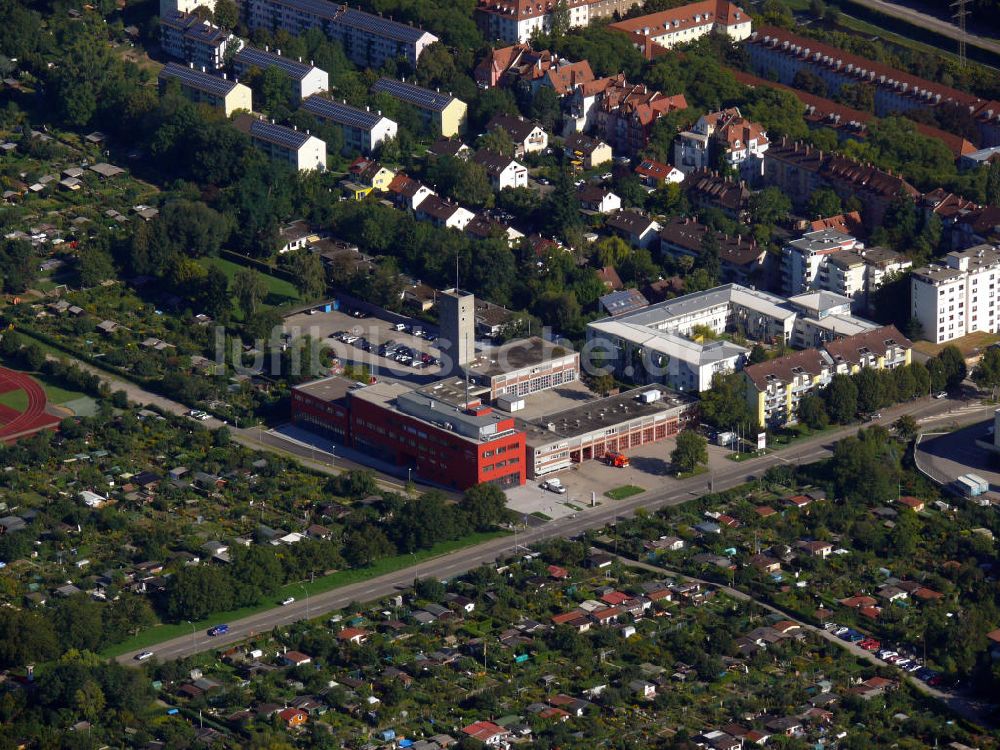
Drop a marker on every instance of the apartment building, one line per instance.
(857, 273)
(184, 6)
(442, 114)
(521, 66)
(306, 78)
(722, 137)
(687, 23)
(774, 389)
(514, 21)
(369, 40)
(778, 54)
(798, 170)
(203, 88)
(802, 259)
(186, 37)
(297, 148)
(959, 296)
(585, 152)
(741, 259)
(502, 171)
(363, 129)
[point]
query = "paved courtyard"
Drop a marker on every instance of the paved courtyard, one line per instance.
(587, 482)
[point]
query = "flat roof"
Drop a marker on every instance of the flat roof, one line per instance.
(330, 389)
(516, 355)
(600, 414)
(663, 312)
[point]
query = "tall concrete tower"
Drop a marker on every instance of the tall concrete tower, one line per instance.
(457, 316)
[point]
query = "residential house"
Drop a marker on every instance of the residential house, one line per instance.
(527, 137)
(741, 260)
(443, 146)
(295, 659)
(623, 301)
(724, 137)
(443, 214)
(585, 152)
(503, 171)
(355, 636)
(293, 717)
(490, 734)
(635, 228)
(597, 199)
(709, 190)
(408, 193)
(654, 174)
(370, 173)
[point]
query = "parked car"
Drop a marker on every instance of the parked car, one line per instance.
(554, 485)
(144, 655)
(288, 601)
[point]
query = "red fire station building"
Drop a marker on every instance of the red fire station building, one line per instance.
(442, 433)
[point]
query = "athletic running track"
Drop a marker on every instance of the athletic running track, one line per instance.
(34, 417)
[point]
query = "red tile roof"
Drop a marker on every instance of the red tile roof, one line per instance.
(691, 15)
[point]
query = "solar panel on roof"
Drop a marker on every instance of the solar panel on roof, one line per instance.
(198, 80)
(278, 134)
(357, 19)
(259, 58)
(343, 114)
(415, 95)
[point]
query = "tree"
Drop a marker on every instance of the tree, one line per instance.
(18, 268)
(724, 404)
(365, 545)
(993, 183)
(987, 372)
(953, 365)
(213, 293)
(841, 397)
(95, 266)
(812, 412)
(226, 14)
(249, 288)
(769, 206)
(497, 140)
(88, 700)
(310, 276)
(906, 427)
(824, 202)
(545, 107)
(485, 505)
(871, 393)
(758, 354)
(691, 450)
(194, 593)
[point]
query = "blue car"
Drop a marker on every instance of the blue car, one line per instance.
(218, 630)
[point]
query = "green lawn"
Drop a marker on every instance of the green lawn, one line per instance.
(59, 395)
(159, 633)
(279, 291)
(625, 491)
(16, 400)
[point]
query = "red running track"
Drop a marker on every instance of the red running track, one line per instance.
(34, 417)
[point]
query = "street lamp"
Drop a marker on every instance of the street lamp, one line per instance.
(306, 592)
(194, 643)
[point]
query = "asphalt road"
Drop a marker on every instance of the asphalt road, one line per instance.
(922, 20)
(670, 492)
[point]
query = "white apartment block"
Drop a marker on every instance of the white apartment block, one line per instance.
(802, 259)
(299, 149)
(184, 6)
(369, 40)
(363, 129)
(306, 79)
(857, 273)
(958, 297)
(186, 37)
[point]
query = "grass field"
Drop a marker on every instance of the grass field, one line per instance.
(17, 400)
(58, 395)
(161, 633)
(625, 491)
(279, 291)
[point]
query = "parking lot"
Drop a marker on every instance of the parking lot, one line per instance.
(323, 327)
